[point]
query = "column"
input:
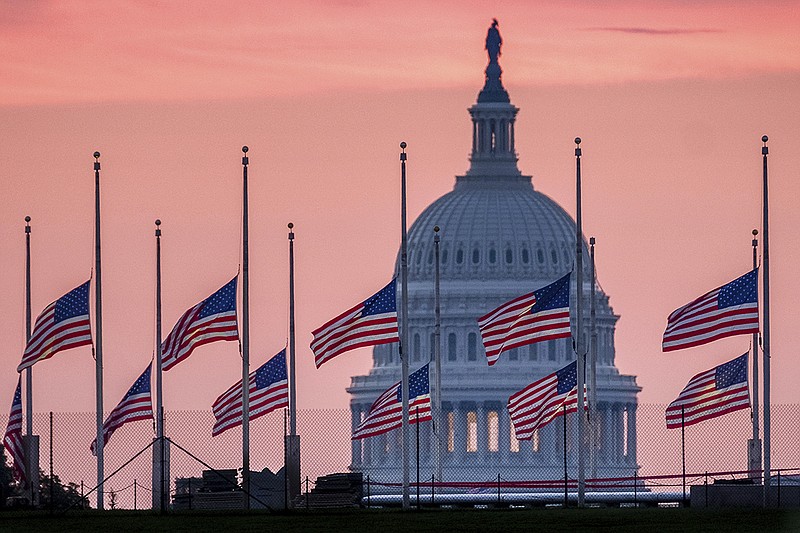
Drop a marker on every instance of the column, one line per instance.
(355, 451)
(619, 434)
(460, 440)
(482, 419)
(631, 451)
(503, 434)
(607, 433)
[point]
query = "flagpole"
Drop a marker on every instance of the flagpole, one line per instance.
(579, 350)
(245, 337)
(404, 330)
(293, 444)
(592, 369)
(159, 450)
(566, 478)
(765, 327)
(98, 337)
(31, 449)
(755, 444)
(437, 355)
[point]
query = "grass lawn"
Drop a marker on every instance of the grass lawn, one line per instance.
(616, 520)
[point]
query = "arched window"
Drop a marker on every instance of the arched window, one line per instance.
(493, 425)
(452, 353)
(554, 256)
(459, 256)
(492, 255)
(417, 347)
(444, 255)
(525, 256)
(540, 256)
(509, 256)
(472, 347)
(476, 256)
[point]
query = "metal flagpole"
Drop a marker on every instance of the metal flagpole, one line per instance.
(245, 338)
(592, 369)
(293, 439)
(765, 327)
(437, 355)
(98, 336)
(754, 448)
(159, 475)
(579, 350)
(566, 479)
(404, 330)
(32, 448)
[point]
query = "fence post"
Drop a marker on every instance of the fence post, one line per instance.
(191, 495)
(306, 493)
(706, 489)
(635, 489)
(51, 462)
(134, 495)
(83, 500)
(368, 492)
(498, 490)
(433, 488)
(779, 488)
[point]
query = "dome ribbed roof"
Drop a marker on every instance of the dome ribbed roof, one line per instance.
(493, 228)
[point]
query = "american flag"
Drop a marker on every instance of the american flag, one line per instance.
(541, 315)
(374, 321)
(728, 310)
(135, 405)
(63, 324)
(12, 441)
(269, 390)
(539, 403)
(213, 319)
(712, 393)
(386, 413)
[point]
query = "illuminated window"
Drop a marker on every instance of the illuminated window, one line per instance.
(514, 444)
(451, 431)
(493, 425)
(472, 432)
(535, 445)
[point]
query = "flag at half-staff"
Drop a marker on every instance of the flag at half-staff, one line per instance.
(137, 404)
(12, 440)
(213, 319)
(541, 315)
(710, 394)
(63, 324)
(371, 322)
(542, 401)
(269, 390)
(726, 311)
(386, 412)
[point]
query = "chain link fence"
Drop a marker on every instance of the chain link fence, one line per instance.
(480, 464)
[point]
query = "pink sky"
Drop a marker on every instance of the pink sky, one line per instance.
(671, 101)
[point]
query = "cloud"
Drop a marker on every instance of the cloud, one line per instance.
(657, 31)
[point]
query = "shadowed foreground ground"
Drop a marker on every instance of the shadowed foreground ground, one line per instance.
(617, 520)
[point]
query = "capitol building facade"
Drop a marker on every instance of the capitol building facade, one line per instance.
(500, 238)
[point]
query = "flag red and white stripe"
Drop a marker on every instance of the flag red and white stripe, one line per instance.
(710, 394)
(539, 316)
(63, 324)
(269, 390)
(386, 413)
(213, 319)
(12, 440)
(371, 322)
(542, 401)
(135, 405)
(728, 310)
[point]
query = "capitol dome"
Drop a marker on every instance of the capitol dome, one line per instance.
(499, 238)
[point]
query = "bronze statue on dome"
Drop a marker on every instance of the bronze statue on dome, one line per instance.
(493, 42)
